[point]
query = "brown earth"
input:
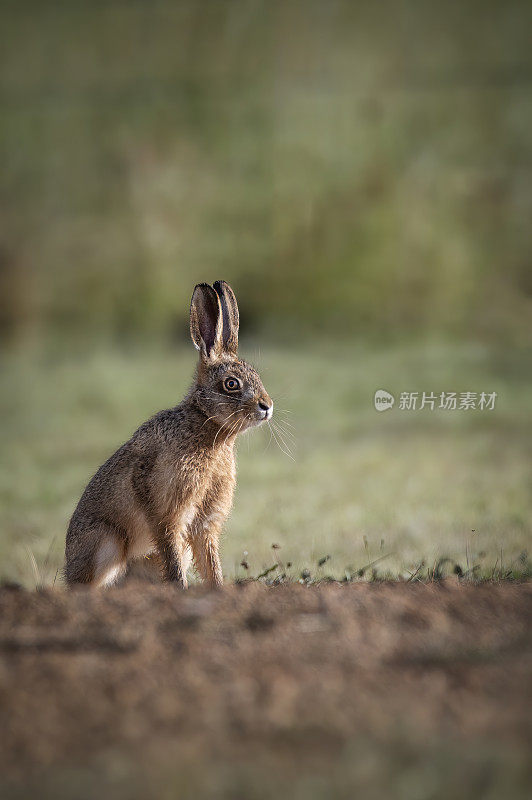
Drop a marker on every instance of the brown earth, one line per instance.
(150, 678)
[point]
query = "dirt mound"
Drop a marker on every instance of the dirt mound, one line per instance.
(149, 671)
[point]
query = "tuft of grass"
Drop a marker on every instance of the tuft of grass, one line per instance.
(441, 569)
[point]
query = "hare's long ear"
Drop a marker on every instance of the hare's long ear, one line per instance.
(206, 320)
(229, 316)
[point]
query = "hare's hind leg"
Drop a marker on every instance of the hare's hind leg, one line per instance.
(95, 556)
(110, 561)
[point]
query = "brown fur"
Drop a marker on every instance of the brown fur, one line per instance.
(169, 488)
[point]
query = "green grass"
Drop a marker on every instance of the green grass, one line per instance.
(411, 486)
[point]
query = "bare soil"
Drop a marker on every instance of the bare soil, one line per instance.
(146, 676)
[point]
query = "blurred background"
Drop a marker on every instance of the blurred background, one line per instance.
(361, 174)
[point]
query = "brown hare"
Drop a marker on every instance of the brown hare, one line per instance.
(169, 489)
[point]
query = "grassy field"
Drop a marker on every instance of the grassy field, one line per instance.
(407, 487)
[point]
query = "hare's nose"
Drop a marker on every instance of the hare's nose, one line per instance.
(267, 408)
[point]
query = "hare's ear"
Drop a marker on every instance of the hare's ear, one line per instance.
(229, 316)
(206, 320)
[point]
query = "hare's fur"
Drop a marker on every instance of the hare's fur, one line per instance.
(169, 488)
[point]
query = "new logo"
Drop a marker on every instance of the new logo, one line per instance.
(383, 400)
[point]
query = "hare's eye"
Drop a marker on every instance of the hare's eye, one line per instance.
(231, 384)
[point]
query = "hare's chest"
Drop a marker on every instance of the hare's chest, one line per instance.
(190, 480)
(218, 486)
(214, 504)
(206, 498)
(223, 473)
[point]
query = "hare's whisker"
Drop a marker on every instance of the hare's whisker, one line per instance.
(285, 422)
(281, 424)
(208, 420)
(282, 439)
(279, 445)
(223, 426)
(269, 441)
(235, 425)
(289, 435)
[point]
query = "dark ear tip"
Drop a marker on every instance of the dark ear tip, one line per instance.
(202, 286)
(205, 289)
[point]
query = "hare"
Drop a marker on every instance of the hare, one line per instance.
(169, 489)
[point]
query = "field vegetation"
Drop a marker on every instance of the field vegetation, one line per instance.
(393, 492)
